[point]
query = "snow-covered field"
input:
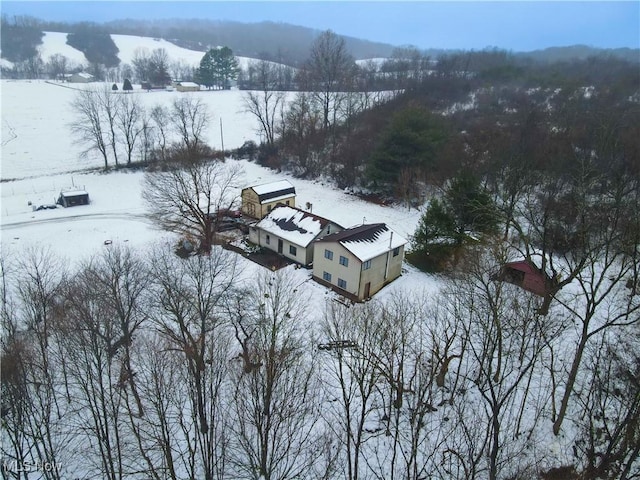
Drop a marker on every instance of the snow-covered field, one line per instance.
(39, 159)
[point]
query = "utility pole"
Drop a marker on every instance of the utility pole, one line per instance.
(221, 135)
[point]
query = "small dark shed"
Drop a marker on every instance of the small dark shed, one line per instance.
(73, 198)
(525, 275)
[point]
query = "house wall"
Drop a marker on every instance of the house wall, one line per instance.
(265, 208)
(269, 241)
(350, 274)
(73, 200)
(534, 283)
(251, 204)
(376, 274)
(354, 275)
(328, 229)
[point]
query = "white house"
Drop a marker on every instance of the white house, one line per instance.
(291, 232)
(259, 200)
(359, 261)
(187, 87)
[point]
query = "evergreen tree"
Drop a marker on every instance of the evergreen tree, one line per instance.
(126, 86)
(466, 208)
(206, 73)
(217, 68)
(228, 67)
(411, 141)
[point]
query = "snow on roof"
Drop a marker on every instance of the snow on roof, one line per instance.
(73, 193)
(535, 258)
(293, 225)
(272, 187)
(367, 241)
(188, 84)
(274, 191)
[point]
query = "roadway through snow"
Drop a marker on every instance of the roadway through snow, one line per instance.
(75, 218)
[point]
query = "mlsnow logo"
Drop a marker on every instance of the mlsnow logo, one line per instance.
(16, 466)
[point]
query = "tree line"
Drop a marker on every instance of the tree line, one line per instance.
(160, 367)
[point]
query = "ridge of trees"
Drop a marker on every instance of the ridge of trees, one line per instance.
(20, 38)
(96, 44)
(277, 42)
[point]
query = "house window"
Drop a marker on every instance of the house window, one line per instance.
(366, 265)
(328, 229)
(342, 284)
(287, 202)
(326, 276)
(293, 250)
(328, 254)
(269, 208)
(268, 240)
(344, 261)
(396, 251)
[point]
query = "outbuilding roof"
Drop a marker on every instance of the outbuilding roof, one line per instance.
(274, 190)
(367, 241)
(73, 193)
(294, 225)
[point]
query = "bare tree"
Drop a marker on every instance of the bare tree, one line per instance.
(351, 380)
(188, 297)
(163, 433)
(88, 128)
(102, 314)
(503, 364)
(57, 66)
(160, 120)
(329, 67)
(190, 118)
(130, 123)
(185, 199)
(603, 269)
(142, 64)
(32, 407)
(301, 134)
(266, 103)
(276, 428)
(609, 423)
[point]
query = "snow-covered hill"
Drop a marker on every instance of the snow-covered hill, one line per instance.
(55, 43)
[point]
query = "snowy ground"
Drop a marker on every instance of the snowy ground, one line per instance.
(39, 159)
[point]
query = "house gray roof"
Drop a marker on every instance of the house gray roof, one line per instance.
(294, 225)
(367, 241)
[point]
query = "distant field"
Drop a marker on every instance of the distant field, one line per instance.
(36, 139)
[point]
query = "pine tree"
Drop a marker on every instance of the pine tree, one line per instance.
(217, 68)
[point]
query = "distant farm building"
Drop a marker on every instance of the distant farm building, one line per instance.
(259, 200)
(73, 198)
(187, 87)
(359, 261)
(291, 232)
(526, 275)
(81, 77)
